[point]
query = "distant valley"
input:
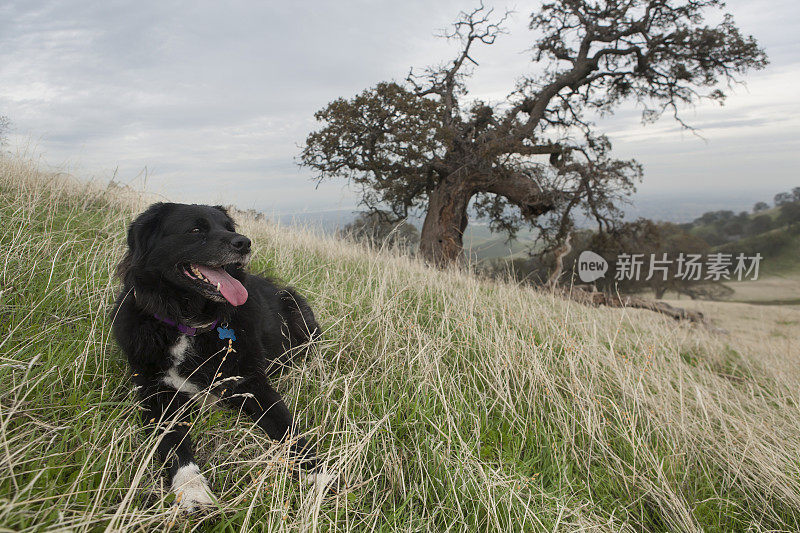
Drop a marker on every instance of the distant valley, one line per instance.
(484, 245)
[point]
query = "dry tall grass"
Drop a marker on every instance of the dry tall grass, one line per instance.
(444, 402)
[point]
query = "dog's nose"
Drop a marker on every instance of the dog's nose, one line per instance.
(241, 243)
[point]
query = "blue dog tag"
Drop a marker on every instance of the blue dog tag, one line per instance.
(226, 333)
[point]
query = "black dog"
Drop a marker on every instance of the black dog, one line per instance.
(193, 323)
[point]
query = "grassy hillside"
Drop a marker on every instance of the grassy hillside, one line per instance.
(779, 276)
(778, 246)
(444, 402)
(481, 244)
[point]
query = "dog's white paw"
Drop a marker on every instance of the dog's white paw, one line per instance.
(191, 489)
(320, 480)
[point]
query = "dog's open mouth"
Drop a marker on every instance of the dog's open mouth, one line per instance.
(216, 279)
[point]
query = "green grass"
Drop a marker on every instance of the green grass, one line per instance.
(778, 247)
(483, 245)
(443, 402)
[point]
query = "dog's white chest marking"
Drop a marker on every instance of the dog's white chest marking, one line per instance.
(172, 378)
(180, 349)
(191, 488)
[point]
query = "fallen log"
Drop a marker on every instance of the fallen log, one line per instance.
(588, 295)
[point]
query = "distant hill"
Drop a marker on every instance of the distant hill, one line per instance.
(328, 222)
(479, 240)
(686, 206)
(777, 245)
(779, 248)
(482, 245)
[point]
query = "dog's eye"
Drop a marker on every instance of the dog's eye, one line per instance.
(195, 230)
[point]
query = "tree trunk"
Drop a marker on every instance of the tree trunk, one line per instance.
(441, 241)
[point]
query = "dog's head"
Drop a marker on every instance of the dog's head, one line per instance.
(190, 253)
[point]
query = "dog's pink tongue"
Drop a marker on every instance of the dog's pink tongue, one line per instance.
(230, 287)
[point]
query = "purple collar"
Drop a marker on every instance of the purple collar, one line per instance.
(186, 330)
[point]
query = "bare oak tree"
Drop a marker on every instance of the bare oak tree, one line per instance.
(536, 157)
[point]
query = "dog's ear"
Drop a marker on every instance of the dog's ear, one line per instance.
(225, 210)
(141, 236)
(143, 229)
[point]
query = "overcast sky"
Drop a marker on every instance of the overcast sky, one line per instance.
(214, 99)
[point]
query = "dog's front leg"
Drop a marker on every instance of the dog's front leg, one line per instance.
(166, 413)
(256, 397)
